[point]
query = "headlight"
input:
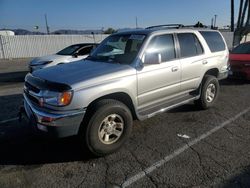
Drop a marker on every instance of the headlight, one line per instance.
(56, 98)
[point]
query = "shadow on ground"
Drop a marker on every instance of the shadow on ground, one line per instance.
(21, 145)
(185, 108)
(9, 106)
(238, 181)
(231, 81)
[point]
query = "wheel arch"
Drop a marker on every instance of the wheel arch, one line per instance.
(212, 72)
(119, 96)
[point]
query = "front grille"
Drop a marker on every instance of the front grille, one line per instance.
(31, 98)
(31, 87)
(31, 92)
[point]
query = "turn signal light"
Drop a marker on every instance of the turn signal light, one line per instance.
(65, 98)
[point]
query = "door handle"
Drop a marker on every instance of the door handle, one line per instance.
(174, 69)
(204, 62)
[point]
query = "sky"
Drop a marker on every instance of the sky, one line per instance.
(97, 14)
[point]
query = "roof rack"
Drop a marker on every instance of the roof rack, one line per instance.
(177, 26)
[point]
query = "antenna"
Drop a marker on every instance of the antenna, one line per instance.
(46, 22)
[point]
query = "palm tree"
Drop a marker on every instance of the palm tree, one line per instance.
(241, 26)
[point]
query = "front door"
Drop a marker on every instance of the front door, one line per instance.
(159, 81)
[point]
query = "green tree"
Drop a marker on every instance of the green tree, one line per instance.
(109, 31)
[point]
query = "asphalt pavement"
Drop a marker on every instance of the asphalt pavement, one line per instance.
(184, 147)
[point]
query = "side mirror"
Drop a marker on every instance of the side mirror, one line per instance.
(152, 58)
(75, 55)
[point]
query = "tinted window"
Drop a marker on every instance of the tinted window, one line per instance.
(242, 49)
(189, 45)
(214, 40)
(69, 50)
(198, 46)
(164, 45)
(85, 50)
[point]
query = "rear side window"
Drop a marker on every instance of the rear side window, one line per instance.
(242, 49)
(214, 40)
(164, 45)
(189, 45)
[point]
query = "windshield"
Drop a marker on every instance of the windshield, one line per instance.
(118, 49)
(70, 50)
(242, 49)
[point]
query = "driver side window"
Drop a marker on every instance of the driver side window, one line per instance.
(164, 46)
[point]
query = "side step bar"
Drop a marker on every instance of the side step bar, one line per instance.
(171, 107)
(142, 115)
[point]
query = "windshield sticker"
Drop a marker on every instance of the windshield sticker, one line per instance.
(137, 37)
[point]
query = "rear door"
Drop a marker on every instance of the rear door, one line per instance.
(192, 58)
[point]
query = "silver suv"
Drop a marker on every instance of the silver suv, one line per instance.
(130, 75)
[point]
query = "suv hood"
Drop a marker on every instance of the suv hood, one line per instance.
(73, 74)
(53, 57)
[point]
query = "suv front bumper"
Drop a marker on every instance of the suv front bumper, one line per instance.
(58, 124)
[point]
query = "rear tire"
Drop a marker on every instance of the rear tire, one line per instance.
(210, 90)
(107, 126)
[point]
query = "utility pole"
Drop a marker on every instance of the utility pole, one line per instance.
(136, 22)
(46, 22)
(215, 18)
(232, 15)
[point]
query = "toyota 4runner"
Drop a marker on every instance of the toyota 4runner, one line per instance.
(130, 75)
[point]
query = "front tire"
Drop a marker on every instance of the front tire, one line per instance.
(107, 126)
(210, 90)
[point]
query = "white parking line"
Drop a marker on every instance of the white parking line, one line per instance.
(9, 120)
(177, 152)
